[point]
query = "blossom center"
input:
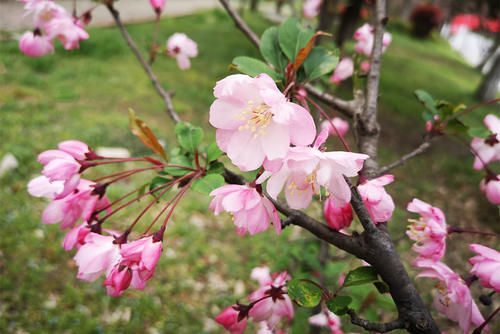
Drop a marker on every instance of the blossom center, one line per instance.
(257, 116)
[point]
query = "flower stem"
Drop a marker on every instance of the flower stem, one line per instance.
(479, 329)
(454, 229)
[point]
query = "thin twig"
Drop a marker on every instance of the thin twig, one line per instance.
(238, 21)
(166, 96)
(479, 329)
(371, 326)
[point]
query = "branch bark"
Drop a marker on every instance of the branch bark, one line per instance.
(166, 96)
(371, 326)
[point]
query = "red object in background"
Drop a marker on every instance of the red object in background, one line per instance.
(424, 19)
(470, 21)
(492, 25)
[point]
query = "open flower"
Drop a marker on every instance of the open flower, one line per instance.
(327, 319)
(262, 275)
(67, 30)
(255, 121)
(453, 298)
(251, 211)
(76, 237)
(487, 150)
(305, 169)
(486, 266)
(344, 70)
(377, 201)
(271, 309)
(429, 231)
(34, 44)
(229, 319)
(182, 48)
(364, 38)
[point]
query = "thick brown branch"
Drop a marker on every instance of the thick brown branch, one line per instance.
(371, 326)
(423, 147)
(166, 96)
(240, 23)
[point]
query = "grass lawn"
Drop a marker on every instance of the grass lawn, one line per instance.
(85, 94)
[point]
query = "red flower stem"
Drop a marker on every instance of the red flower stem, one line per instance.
(453, 229)
(117, 160)
(163, 210)
(197, 160)
(290, 85)
(152, 53)
(463, 112)
(147, 208)
(479, 329)
(331, 123)
(137, 170)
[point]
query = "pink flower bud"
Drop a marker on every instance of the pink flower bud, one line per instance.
(97, 256)
(118, 280)
(377, 201)
(157, 5)
(365, 65)
(341, 126)
(229, 319)
(344, 70)
(486, 266)
(491, 187)
(76, 237)
(35, 45)
(337, 218)
(487, 150)
(75, 148)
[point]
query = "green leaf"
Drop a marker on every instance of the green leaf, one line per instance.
(428, 116)
(304, 293)
(319, 62)
(156, 182)
(293, 37)
(189, 136)
(382, 287)
(209, 182)
(213, 152)
(427, 100)
(360, 275)
(270, 49)
(179, 160)
(454, 126)
(253, 67)
(481, 132)
(339, 305)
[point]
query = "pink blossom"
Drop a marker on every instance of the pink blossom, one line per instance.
(453, 298)
(311, 8)
(327, 319)
(81, 203)
(251, 211)
(44, 11)
(271, 309)
(344, 70)
(33, 44)
(305, 169)
(41, 186)
(76, 237)
(96, 257)
(491, 187)
(118, 280)
(486, 266)
(255, 121)
(141, 257)
(229, 319)
(183, 48)
(75, 148)
(487, 150)
(341, 126)
(337, 218)
(69, 32)
(364, 37)
(61, 166)
(429, 231)
(262, 275)
(377, 201)
(365, 66)
(157, 5)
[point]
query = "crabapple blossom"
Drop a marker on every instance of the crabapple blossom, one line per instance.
(157, 5)
(229, 319)
(251, 211)
(276, 306)
(255, 121)
(68, 30)
(77, 149)
(486, 266)
(118, 280)
(182, 48)
(41, 186)
(453, 298)
(97, 256)
(344, 70)
(262, 275)
(487, 150)
(491, 187)
(326, 319)
(364, 37)
(33, 44)
(76, 237)
(377, 201)
(305, 169)
(337, 218)
(339, 124)
(141, 257)
(429, 231)
(311, 8)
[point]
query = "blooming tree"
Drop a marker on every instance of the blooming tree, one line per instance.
(264, 123)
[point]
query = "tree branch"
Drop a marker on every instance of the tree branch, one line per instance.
(371, 326)
(166, 96)
(423, 147)
(238, 21)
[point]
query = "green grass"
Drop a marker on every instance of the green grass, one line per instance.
(85, 94)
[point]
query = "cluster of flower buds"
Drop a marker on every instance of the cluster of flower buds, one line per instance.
(50, 21)
(486, 151)
(268, 304)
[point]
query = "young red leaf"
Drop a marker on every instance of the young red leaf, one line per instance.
(304, 52)
(141, 130)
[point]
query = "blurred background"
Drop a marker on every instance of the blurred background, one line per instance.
(449, 48)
